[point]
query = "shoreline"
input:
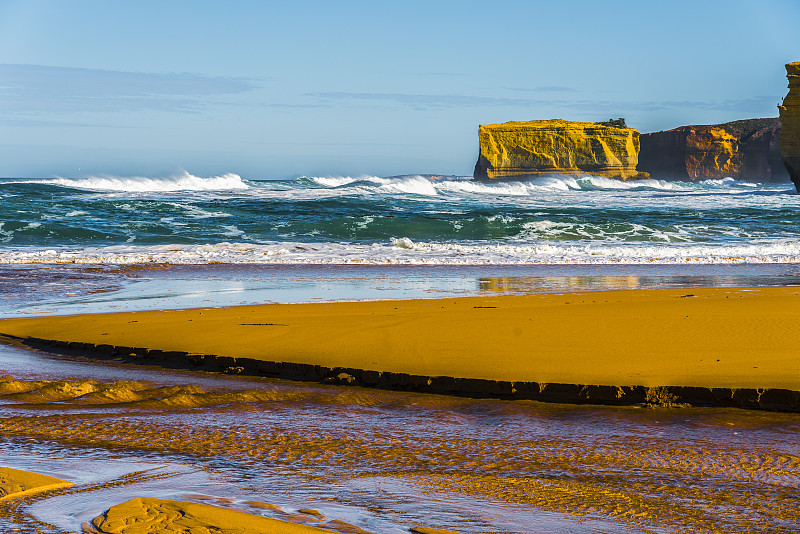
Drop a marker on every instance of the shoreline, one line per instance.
(722, 346)
(143, 514)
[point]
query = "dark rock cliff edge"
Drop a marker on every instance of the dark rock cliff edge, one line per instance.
(744, 150)
(790, 115)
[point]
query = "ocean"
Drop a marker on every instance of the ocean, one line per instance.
(121, 243)
(371, 460)
(185, 219)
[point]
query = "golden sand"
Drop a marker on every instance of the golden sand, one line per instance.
(15, 483)
(145, 515)
(745, 338)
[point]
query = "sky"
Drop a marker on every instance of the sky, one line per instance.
(272, 90)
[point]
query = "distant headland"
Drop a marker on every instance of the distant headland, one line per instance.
(514, 150)
(757, 150)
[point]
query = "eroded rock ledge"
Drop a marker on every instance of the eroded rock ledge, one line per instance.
(752, 398)
(790, 115)
(744, 150)
(516, 150)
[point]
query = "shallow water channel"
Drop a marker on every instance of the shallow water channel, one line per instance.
(382, 461)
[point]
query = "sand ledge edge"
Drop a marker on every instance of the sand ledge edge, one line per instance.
(771, 399)
(28, 482)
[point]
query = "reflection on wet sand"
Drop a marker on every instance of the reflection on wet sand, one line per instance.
(387, 461)
(521, 285)
(539, 284)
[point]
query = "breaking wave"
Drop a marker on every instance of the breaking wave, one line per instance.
(405, 251)
(412, 185)
(139, 184)
(184, 219)
(461, 185)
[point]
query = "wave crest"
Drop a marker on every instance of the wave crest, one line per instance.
(183, 181)
(411, 184)
(404, 251)
(421, 185)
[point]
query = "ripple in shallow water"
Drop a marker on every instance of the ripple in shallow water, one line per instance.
(385, 461)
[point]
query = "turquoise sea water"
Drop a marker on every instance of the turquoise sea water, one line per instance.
(91, 244)
(397, 220)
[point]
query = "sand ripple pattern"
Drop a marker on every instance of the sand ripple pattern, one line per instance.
(654, 470)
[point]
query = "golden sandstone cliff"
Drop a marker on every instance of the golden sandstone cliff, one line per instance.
(758, 150)
(790, 115)
(745, 150)
(515, 150)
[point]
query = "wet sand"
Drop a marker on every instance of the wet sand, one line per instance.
(707, 338)
(143, 515)
(17, 483)
(607, 469)
(388, 461)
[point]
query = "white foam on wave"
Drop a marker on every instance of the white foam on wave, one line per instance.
(483, 188)
(404, 251)
(183, 181)
(624, 232)
(547, 187)
(333, 181)
(402, 242)
(195, 212)
(725, 182)
(411, 185)
(601, 182)
(594, 183)
(544, 184)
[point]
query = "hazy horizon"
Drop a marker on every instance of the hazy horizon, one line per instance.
(269, 90)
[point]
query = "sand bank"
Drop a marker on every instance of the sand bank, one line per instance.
(703, 346)
(16, 483)
(143, 515)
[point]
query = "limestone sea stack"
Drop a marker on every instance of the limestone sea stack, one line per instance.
(790, 133)
(518, 150)
(744, 150)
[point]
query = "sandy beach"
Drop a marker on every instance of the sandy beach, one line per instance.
(736, 346)
(373, 459)
(743, 338)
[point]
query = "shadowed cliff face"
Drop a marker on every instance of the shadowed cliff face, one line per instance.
(515, 150)
(790, 115)
(745, 150)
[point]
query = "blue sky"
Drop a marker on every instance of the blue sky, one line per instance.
(278, 89)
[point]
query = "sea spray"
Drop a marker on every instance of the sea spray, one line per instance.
(136, 184)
